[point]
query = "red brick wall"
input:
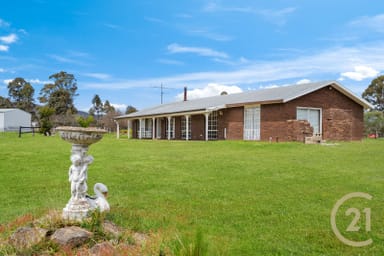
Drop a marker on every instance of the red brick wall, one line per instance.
(198, 127)
(342, 118)
(232, 119)
(297, 130)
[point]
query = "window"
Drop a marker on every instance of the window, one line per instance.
(159, 123)
(171, 132)
(146, 128)
(313, 116)
(252, 123)
(212, 126)
(184, 127)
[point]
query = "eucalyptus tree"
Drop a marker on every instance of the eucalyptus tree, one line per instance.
(21, 94)
(60, 94)
(374, 93)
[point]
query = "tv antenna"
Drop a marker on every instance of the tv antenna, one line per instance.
(162, 91)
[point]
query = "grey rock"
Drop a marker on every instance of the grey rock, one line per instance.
(140, 238)
(26, 237)
(71, 236)
(101, 249)
(111, 228)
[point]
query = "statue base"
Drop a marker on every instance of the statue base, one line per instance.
(77, 210)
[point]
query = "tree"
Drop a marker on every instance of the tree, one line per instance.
(108, 107)
(374, 122)
(374, 94)
(130, 109)
(45, 114)
(97, 107)
(21, 93)
(108, 120)
(5, 103)
(59, 95)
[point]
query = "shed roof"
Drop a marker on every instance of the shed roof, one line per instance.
(265, 96)
(2, 110)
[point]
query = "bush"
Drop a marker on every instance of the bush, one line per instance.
(85, 122)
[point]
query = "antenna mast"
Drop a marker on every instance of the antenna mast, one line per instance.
(161, 91)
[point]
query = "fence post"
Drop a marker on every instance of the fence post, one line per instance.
(20, 132)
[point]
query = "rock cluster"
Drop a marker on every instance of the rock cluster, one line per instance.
(72, 237)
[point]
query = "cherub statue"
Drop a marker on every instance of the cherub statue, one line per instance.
(78, 175)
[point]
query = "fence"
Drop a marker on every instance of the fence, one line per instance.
(30, 129)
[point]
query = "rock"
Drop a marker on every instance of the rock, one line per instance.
(102, 249)
(26, 237)
(140, 238)
(71, 236)
(111, 228)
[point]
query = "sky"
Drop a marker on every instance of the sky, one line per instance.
(144, 52)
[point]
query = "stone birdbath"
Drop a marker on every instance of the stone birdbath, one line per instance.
(80, 204)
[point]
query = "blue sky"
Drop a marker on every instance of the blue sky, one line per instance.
(125, 50)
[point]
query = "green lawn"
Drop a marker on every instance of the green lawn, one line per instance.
(247, 198)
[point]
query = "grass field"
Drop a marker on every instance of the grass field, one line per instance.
(247, 198)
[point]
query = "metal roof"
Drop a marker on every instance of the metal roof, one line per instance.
(2, 110)
(265, 96)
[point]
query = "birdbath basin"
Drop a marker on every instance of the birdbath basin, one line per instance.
(79, 205)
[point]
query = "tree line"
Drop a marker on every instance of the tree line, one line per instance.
(57, 104)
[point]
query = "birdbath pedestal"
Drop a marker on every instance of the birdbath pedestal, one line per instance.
(81, 138)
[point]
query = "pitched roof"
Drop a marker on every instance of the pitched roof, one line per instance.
(265, 96)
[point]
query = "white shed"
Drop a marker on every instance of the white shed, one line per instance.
(12, 118)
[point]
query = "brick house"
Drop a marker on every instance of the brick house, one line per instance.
(289, 113)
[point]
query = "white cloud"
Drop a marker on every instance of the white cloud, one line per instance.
(101, 76)
(120, 107)
(3, 23)
(170, 62)
(37, 81)
(176, 48)
(269, 86)
(7, 81)
(303, 81)
(327, 64)
(210, 35)
(32, 81)
(274, 16)
(360, 73)
(9, 39)
(4, 48)
(2, 70)
(375, 23)
(240, 61)
(211, 89)
(61, 58)
(72, 59)
(277, 17)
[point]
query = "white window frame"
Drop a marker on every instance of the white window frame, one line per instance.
(307, 119)
(252, 122)
(213, 125)
(172, 131)
(183, 127)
